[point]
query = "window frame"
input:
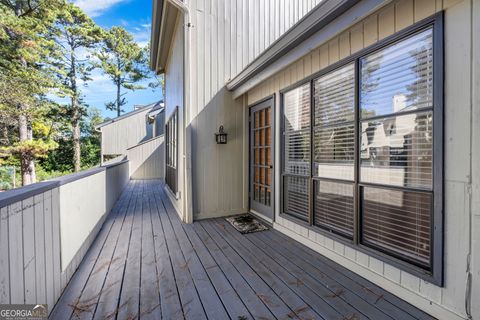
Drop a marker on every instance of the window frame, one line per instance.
(171, 170)
(435, 274)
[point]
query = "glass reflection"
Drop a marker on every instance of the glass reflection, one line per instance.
(398, 78)
(397, 150)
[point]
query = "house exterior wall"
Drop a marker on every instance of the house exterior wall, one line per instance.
(225, 37)
(174, 99)
(475, 174)
(120, 135)
(461, 130)
(159, 125)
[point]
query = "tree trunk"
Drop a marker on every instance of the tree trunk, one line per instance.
(27, 166)
(75, 113)
(76, 135)
(118, 100)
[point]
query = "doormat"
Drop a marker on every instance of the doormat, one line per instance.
(246, 223)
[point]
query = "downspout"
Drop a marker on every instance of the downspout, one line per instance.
(468, 284)
(187, 198)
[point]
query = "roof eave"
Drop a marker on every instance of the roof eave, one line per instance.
(164, 19)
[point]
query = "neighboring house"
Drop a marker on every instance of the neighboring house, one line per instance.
(130, 129)
(138, 136)
(353, 127)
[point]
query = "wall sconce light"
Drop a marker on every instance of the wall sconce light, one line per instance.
(221, 136)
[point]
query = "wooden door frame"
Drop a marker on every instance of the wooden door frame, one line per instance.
(271, 99)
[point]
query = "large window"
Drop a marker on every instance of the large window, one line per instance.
(171, 163)
(362, 145)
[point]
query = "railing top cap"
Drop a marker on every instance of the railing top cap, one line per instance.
(15, 195)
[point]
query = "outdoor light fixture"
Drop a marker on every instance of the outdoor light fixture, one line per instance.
(221, 136)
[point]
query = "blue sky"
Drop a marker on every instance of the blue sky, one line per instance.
(134, 16)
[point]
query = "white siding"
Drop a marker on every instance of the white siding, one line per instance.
(120, 135)
(461, 133)
(475, 197)
(226, 36)
(147, 160)
(174, 82)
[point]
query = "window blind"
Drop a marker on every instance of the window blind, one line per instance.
(334, 129)
(334, 206)
(399, 222)
(396, 148)
(296, 148)
(374, 146)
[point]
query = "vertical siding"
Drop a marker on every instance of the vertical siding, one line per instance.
(174, 83)
(30, 235)
(448, 301)
(475, 228)
(147, 160)
(29, 252)
(120, 135)
(227, 35)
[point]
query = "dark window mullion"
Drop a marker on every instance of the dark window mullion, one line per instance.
(311, 196)
(356, 161)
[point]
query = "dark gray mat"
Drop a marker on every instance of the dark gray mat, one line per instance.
(246, 223)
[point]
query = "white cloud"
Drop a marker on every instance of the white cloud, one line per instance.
(95, 8)
(141, 33)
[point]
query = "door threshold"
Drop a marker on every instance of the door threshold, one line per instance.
(262, 217)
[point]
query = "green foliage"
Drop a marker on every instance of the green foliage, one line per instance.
(25, 78)
(6, 177)
(124, 62)
(43, 174)
(75, 34)
(60, 159)
(47, 48)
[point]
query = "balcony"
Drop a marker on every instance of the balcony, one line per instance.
(140, 261)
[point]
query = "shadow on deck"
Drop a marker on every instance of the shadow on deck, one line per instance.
(146, 264)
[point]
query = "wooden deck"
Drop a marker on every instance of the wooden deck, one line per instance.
(146, 264)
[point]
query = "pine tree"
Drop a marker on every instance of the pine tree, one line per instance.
(124, 62)
(24, 79)
(75, 34)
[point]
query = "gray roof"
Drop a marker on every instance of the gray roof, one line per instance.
(158, 108)
(128, 114)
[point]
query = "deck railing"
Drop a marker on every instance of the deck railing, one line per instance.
(46, 229)
(147, 159)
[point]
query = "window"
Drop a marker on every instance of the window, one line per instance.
(296, 137)
(171, 137)
(367, 168)
(396, 147)
(334, 147)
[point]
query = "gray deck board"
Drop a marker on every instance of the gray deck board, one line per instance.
(191, 304)
(146, 264)
(108, 301)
